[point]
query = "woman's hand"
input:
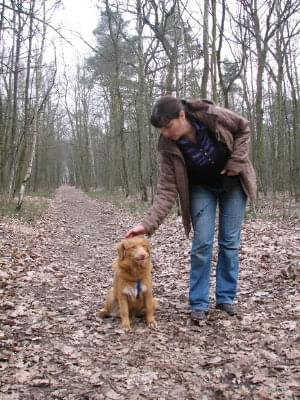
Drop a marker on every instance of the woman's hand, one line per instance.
(227, 172)
(135, 231)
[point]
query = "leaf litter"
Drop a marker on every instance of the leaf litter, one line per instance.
(54, 276)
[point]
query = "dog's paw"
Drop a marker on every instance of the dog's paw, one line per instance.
(152, 324)
(102, 313)
(126, 327)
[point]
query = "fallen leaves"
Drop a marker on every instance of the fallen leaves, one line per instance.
(55, 275)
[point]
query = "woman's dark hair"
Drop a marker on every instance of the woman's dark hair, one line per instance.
(165, 109)
(168, 107)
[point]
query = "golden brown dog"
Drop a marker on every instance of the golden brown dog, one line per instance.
(131, 293)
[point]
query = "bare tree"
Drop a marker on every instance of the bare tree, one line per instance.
(165, 20)
(262, 24)
(38, 106)
(205, 73)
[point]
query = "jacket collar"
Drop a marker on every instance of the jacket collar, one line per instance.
(208, 118)
(168, 145)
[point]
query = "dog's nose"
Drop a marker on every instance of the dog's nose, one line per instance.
(142, 257)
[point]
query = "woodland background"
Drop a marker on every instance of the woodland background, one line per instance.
(92, 130)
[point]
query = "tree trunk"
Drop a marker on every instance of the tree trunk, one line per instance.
(14, 147)
(205, 74)
(141, 101)
(213, 52)
(117, 100)
(37, 108)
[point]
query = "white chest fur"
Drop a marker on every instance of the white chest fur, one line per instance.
(133, 291)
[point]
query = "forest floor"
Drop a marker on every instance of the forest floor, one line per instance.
(54, 275)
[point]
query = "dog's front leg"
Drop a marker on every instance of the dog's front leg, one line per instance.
(124, 313)
(109, 305)
(150, 309)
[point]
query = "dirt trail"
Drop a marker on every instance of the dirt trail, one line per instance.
(55, 275)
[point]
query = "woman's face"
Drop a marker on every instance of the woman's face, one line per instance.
(176, 127)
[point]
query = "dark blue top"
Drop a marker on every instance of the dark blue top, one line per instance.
(204, 159)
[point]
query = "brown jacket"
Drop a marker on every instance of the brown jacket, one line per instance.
(230, 129)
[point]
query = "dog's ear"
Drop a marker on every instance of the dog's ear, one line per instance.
(121, 251)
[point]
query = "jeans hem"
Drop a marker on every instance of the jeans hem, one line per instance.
(199, 309)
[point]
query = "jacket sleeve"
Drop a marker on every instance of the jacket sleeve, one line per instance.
(240, 130)
(165, 196)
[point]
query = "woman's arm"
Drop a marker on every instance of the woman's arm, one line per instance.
(165, 196)
(239, 129)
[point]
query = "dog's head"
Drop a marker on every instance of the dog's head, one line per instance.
(136, 249)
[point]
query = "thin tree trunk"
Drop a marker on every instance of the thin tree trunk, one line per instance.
(141, 100)
(117, 99)
(205, 74)
(14, 148)
(214, 53)
(37, 109)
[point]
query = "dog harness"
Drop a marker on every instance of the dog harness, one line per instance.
(138, 288)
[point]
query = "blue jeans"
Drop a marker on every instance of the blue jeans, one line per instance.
(204, 203)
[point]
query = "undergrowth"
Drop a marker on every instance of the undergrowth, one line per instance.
(281, 207)
(119, 200)
(33, 207)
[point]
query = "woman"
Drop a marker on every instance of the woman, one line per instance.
(204, 158)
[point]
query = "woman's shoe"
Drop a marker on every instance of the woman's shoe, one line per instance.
(198, 315)
(228, 308)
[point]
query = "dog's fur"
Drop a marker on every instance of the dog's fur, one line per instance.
(131, 293)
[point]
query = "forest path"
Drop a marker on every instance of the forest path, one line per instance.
(55, 275)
